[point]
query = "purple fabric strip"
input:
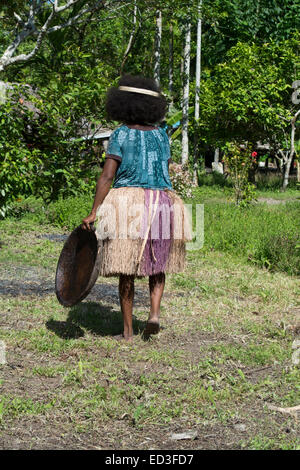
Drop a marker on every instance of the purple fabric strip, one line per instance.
(160, 235)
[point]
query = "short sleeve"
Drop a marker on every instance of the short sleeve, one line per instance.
(114, 147)
(167, 151)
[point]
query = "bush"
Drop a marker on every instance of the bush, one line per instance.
(68, 213)
(240, 162)
(30, 208)
(38, 153)
(278, 253)
(266, 235)
(64, 213)
(214, 179)
(271, 181)
(181, 179)
(17, 163)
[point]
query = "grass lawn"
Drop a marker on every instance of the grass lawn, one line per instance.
(223, 356)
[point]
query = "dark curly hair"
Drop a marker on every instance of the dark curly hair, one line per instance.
(135, 108)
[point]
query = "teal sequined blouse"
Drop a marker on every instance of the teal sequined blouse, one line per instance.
(143, 156)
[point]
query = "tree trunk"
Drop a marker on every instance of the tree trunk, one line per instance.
(186, 89)
(288, 160)
(198, 62)
(216, 155)
(171, 63)
(158, 33)
(286, 174)
(197, 91)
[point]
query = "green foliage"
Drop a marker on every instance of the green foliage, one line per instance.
(181, 179)
(64, 213)
(68, 213)
(248, 95)
(71, 108)
(250, 56)
(42, 152)
(279, 252)
(239, 162)
(265, 182)
(213, 179)
(231, 21)
(17, 162)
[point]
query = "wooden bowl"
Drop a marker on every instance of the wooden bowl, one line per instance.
(77, 269)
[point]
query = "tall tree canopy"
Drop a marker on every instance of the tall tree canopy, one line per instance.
(70, 51)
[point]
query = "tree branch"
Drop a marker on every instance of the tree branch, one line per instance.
(131, 39)
(74, 19)
(41, 34)
(29, 28)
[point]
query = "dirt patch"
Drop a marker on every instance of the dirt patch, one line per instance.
(271, 201)
(108, 395)
(33, 281)
(53, 431)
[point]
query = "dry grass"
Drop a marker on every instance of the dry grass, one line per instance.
(224, 353)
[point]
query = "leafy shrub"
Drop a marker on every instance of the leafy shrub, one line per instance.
(278, 253)
(17, 163)
(39, 152)
(29, 207)
(176, 149)
(181, 179)
(64, 213)
(68, 213)
(240, 162)
(269, 181)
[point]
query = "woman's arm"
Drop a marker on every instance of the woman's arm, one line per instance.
(102, 188)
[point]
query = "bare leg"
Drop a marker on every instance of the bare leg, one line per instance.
(126, 294)
(156, 288)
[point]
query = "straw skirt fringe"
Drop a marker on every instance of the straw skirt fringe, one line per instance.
(120, 244)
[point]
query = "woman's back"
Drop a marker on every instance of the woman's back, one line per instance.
(144, 154)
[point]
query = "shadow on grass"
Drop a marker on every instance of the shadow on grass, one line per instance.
(65, 329)
(97, 319)
(18, 287)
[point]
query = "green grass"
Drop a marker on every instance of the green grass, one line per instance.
(223, 355)
(264, 234)
(14, 407)
(261, 442)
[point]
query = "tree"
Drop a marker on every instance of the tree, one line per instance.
(248, 97)
(171, 64)
(226, 22)
(41, 18)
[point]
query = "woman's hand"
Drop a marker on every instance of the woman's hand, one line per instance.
(90, 219)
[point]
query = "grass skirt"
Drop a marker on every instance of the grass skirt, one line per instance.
(141, 232)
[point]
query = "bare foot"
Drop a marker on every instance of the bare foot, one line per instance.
(127, 339)
(152, 328)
